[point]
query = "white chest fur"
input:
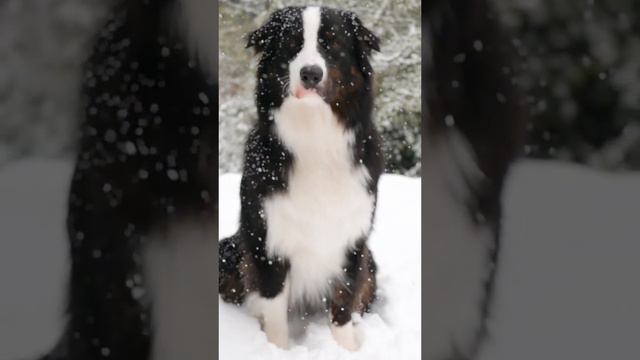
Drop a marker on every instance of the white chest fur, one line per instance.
(326, 208)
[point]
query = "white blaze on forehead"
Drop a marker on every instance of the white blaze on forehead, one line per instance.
(309, 54)
(311, 23)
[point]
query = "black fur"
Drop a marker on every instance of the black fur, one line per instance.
(147, 159)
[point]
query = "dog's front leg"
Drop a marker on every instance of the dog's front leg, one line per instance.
(353, 293)
(274, 317)
(270, 302)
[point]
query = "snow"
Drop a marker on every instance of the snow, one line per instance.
(391, 331)
(567, 285)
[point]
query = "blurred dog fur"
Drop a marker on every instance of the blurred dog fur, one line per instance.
(474, 125)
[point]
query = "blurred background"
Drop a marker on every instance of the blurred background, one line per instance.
(398, 66)
(581, 72)
(42, 46)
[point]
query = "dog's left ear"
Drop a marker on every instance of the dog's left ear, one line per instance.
(366, 40)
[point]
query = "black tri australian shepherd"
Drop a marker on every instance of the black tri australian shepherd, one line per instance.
(142, 208)
(311, 168)
(473, 131)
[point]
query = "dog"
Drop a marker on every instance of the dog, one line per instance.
(309, 183)
(474, 130)
(142, 209)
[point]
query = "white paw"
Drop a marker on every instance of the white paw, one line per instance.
(277, 335)
(346, 336)
(272, 314)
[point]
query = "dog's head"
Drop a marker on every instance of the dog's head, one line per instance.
(313, 51)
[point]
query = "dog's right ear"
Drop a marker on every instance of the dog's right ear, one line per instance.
(259, 39)
(281, 21)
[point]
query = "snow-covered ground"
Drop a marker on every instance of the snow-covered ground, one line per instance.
(391, 332)
(567, 288)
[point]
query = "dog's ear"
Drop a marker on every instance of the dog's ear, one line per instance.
(367, 41)
(259, 39)
(270, 31)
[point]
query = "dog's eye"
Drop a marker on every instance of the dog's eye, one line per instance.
(330, 44)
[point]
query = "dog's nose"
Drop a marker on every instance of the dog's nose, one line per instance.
(311, 76)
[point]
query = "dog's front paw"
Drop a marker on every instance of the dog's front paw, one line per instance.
(277, 335)
(346, 336)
